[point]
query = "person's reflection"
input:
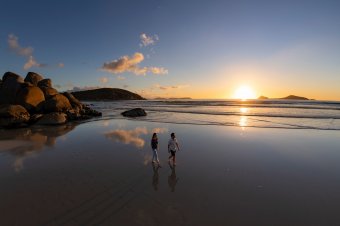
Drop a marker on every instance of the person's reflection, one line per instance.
(172, 179)
(155, 177)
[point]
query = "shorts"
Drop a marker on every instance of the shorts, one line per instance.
(173, 153)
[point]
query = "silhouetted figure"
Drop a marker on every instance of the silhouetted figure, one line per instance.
(154, 147)
(173, 148)
(172, 179)
(155, 177)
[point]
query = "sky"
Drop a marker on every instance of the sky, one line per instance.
(193, 48)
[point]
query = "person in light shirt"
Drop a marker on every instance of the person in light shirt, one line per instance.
(173, 147)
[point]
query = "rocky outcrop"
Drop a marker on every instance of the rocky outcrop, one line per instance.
(106, 94)
(54, 118)
(34, 100)
(10, 86)
(136, 112)
(13, 115)
(48, 92)
(31, 98)
(73, 101)
(45, 83)
(57, 103)
(33, 78)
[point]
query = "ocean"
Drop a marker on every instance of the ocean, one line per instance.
(274, 113)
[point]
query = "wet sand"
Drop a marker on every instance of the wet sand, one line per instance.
(100, 173)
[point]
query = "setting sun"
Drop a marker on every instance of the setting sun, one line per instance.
(244, 93)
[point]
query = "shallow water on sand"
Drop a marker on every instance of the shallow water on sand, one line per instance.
(100, 173)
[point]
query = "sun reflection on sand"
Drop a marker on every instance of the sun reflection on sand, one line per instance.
(243, 110)
(243, 121)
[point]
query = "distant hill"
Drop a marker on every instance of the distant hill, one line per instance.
(293, 97)
(290, 97)
(104, 94)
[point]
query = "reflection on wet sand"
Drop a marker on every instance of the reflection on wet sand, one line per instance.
(28, 142)
(243, 121)
(128, 136)
(132, 136)
(155, 177)
(172, 178)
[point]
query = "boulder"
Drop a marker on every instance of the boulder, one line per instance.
(34, 118)
(13, 115)
(57, 103)
(48, 92)
(54, 118)
(33, 78)
(90, 112)
(11, 84)
(136, 112)
(73, 101)
(11, 75)
(30, 97)
(45, 82)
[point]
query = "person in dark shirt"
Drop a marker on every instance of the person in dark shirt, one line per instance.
(154, 147)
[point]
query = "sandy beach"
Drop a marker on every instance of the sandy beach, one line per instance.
(100, 173)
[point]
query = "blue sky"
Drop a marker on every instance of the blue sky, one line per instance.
(202, 49)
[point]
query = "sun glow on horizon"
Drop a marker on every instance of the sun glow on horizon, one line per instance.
(244, 93)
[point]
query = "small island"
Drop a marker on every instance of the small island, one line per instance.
(289, 97)
(293, 97)
(262, 98)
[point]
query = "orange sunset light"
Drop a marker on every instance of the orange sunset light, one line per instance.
(244, 92)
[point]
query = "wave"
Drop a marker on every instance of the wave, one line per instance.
(315, 115)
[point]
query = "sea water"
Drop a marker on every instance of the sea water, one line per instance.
(291, 114)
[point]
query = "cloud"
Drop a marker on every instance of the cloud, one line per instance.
(131, 64)
(120, 77)
(31, 62)
(158, 70)
(104, 80)
(16, 48)
(125, 86)
(132, 136)
(147, 40)
(23, 51)
(170, 87)
(82, 88)
(61, 65)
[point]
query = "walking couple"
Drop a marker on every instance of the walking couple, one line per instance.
(173, 147)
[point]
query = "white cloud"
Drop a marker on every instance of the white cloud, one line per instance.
(104, 80)
(131, 64)
(82, 88)
(120, 78)
(16, 48)
(23, 51)
(147, 40)
(170, 87)
(158, 70)
(31, 62)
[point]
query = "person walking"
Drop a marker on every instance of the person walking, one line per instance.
(173, 147)
(154, 147)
